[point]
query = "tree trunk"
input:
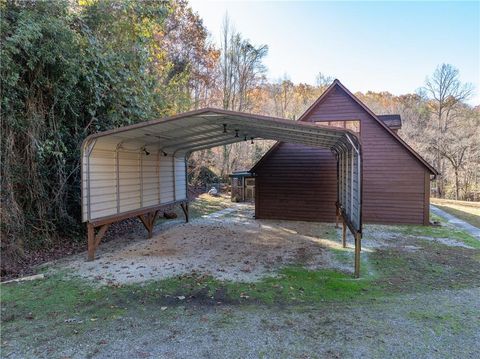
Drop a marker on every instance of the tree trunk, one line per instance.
(457, 185)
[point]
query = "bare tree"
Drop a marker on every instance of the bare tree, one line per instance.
(241, 66)
(445, 92)
(226, 61)
(458, 144)
(323, 81)
(242, 69)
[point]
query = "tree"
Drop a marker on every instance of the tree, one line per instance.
(323, 81)
(185, 40)
(445, 92)
(282, 94)
(242, 67)
(241, 70)
(456, 144)
(70, 69)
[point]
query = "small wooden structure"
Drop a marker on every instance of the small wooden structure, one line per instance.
(243, 186)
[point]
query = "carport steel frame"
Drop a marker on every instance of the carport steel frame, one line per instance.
(141, 170)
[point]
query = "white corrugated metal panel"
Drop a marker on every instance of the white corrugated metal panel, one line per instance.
(350, 180)
(180, 178)
(166, 179)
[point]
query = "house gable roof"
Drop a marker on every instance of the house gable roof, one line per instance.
(337, 83)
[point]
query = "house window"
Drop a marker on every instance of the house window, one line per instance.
(352, 125)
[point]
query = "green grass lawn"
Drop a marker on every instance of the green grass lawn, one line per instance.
(206, 204)
(202, 205)
(467, 211)
(60, 293)
(442, 231)
(59, 300)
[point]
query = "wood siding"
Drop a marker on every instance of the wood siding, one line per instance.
(286, 181)
(395, 183)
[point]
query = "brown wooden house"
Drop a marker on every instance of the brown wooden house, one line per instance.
(295, 182)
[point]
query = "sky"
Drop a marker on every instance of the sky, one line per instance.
(377, 46)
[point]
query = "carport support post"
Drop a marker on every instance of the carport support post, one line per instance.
(336, 217)
(94, 239)
(148, 221)
(91, 241)
(344, 234)
(358, 247)
(185, 210)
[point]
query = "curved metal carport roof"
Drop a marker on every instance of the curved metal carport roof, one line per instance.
(135, 170)
(206, 128)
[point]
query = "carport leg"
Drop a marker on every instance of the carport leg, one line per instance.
(344, 235)
(91, 241)
(154, 218)
(336, 218)
(358, 246)
(148, 221)
(144, 219)
(185, 210)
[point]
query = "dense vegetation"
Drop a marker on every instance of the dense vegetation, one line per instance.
(71, 68)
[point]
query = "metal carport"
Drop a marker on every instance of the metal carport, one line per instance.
(137, 170)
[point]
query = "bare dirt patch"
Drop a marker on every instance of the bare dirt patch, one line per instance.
(230, 247)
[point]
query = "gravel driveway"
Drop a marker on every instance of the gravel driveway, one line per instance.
(442, 324)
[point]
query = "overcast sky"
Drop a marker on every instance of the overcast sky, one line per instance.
(378, 46)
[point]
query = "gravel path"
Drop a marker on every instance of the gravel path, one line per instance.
(443, 324)
(474, 231)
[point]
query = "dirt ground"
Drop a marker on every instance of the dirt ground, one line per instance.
(228, 245)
